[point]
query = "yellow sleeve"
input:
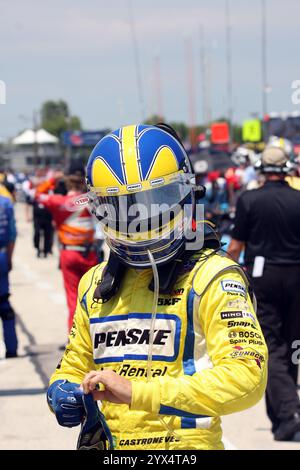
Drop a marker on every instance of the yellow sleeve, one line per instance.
(77, 359)
(237, 351)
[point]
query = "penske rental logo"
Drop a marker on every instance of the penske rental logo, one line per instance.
(127, 370)
(234, 287)
(118, 338)
(131, 336)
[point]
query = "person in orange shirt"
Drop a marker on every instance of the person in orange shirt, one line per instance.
(75, 230)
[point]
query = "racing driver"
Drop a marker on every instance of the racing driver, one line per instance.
(165, 334)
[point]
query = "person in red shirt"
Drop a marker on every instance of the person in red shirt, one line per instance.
(233, 185)
(75, 230)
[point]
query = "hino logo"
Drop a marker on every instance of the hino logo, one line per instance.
(132, 336)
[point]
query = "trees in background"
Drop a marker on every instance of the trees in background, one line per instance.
(56, 117)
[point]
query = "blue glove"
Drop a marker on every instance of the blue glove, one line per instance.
(65, 403)
(94, 434)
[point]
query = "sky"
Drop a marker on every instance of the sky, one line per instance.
(82, 51)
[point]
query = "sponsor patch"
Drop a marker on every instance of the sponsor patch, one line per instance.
(238, 304)
(157, 182)
(134, 187)
(234, 287)
(237, 314)
(118, 338)
(254, 342)
(168, 301)
(240, 353)
(178, 291)
(244, 334)
(127, 370)
(112, 190)
(239, 324)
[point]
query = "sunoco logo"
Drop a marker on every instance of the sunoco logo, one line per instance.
(120, 337)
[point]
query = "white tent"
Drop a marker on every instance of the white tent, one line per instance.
(30, 137)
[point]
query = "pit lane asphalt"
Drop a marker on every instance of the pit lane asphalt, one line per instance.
(39, 300)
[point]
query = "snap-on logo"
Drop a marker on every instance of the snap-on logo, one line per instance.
(123, 337)
(229, 285)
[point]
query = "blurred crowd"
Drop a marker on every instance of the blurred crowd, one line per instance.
(47, 196)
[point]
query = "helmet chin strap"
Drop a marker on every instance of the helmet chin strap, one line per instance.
(112, 276)
(153, 314)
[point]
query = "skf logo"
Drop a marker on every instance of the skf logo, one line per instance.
(173, 300)
(167, 302)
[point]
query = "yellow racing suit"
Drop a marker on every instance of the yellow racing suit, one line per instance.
(4, 192)
(209, 354)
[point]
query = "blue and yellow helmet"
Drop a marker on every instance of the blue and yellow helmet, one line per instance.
(139, 178)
